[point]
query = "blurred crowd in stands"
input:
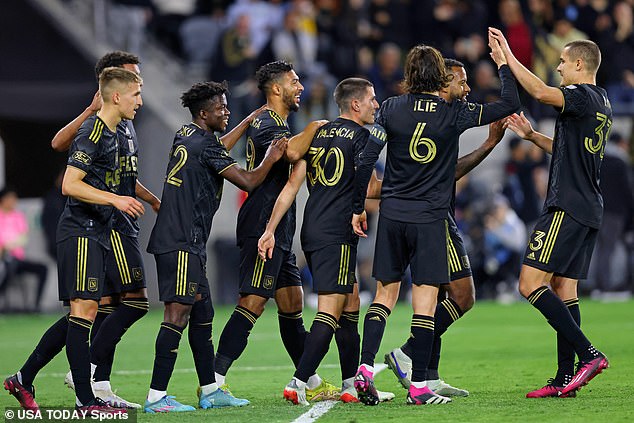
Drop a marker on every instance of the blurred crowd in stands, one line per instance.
(328, 40)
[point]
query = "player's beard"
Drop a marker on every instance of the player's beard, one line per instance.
(289, 100)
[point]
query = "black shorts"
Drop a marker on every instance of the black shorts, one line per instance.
(422, 246)
(561, 245)
(181, 275)
(80, 269)
(459, 266)
(333, 268)
(124, 265)
(264, 278)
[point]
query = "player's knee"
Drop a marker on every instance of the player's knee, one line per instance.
(202, 312)
(525, 289)
(177, 314)
(464, 299)
(253, 303)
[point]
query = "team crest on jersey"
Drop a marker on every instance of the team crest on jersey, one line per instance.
(137, 273)
(81, 157)
(192, 289)
(471, 106)
(267, 283)
(93, 284)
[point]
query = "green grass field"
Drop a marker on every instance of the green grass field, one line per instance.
(497, 352)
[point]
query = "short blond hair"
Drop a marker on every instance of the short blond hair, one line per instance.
(112, 78)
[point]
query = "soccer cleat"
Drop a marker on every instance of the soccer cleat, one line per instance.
(585, 373)
(99, 407)
(68, 380)
(364, 384)
(218, 399)
(401, 366)
(424, 395)
(350, 395)
(323, 392)
(113, 400)
(167, 404)
(550, 390)
(295, 394)
(26, 397)
(440, 387)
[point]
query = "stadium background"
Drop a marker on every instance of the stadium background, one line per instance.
(48, 49)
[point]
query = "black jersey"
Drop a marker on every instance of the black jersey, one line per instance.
(331, 161)
(95, 150)
(581, 131)
(422, 149)
(258, 206)
(191, 192)
(128, 174)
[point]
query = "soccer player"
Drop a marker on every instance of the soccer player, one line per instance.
(279, 277)
(461, 288)
(421, 131)
(328, 243)
(561, 244)
(90, 182)
(124, 299)
(199, 163)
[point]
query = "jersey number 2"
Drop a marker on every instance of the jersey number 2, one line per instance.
(181, 153)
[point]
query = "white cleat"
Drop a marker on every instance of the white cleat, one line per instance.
(68, 380)
(349, 394)
(113, 400)
(401, 366)
(440, 387)
(295, 394)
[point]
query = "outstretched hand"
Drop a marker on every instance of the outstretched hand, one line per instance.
(520, 125)
(497, 52)
(496, 130)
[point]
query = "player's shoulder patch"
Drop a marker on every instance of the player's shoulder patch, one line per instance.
(81, 157)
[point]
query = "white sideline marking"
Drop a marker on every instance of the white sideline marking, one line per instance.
(315, 412)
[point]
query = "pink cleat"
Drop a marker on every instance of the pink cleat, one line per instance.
(550, 390)
(424, 395)
(586, 372)
(364, 384)
(25, 397)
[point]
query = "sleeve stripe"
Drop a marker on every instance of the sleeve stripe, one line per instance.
(480, 117)
(232, 164)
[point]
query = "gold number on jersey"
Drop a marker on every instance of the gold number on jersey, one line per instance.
(537, 243)
(250, 154)
(317, 174)
(181, 153)
(604, 124)
(418, 140)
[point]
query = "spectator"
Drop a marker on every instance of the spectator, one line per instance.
(264, 17)
(14, 232)
(54, 202)
(127, 22)
(295, 43)
(504, 242)
(387, 74)
(486, 86)
(618, 210)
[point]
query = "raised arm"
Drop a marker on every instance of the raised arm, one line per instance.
(298, 144)
(531, 83)
(231, 138)
(249, 180)
(466, 163)
(523, 128)
(64, 137)
(266, 244)
(74, 186)
(146, 195)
